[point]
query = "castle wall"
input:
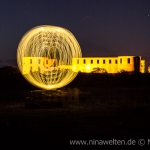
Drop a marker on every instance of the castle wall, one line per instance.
(87, 64)
(142, 66)
(125, 63)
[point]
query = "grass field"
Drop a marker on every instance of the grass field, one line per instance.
(121, 111)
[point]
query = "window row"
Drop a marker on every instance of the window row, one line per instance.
(104, 61)
(98, 61)
(84, 61)
(128, 60)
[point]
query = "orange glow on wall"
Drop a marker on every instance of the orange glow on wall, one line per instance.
(88, 68)
(142, 66)
(148, 69)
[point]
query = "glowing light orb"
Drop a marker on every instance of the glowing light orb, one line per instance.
(44, 56)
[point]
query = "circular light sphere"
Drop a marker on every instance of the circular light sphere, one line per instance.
(44, 56)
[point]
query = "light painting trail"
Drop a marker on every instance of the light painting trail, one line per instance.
(45, 54)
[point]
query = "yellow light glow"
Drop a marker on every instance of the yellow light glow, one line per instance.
(108, 64)
(44, 56)
(142, 66)
(148, 69)
(88, 68)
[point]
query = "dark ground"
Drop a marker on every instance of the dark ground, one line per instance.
(108, 107)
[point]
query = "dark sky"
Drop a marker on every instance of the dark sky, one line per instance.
(102, 27)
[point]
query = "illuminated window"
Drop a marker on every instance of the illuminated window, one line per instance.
(77, 61)
(116, 62)
(84, 61)
(109, 61)
(39, 61)
(97, 61)
(30, 61)
(128, 60)
(46, 61)
(91, 61)
(103, 61)
(121, 60)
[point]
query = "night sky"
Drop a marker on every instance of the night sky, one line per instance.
(102, 27)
